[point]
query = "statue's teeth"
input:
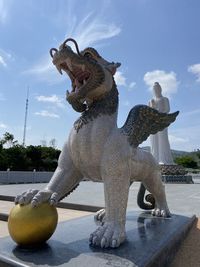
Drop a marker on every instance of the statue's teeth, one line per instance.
(59, 69)
(69, 64)
(77, 83)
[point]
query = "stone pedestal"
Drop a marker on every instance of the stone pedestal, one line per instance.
(175, 174)
(150, 242)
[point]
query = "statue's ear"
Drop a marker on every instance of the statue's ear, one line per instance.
(113, 67)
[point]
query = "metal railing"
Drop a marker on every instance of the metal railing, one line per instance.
(17, 177)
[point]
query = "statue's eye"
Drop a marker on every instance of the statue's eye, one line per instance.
(88, 55)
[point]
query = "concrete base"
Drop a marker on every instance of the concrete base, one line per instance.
(151, 242)
(183, 179)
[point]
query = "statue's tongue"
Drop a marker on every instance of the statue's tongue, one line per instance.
(78, 85)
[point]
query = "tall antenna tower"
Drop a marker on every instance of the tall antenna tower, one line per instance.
(25, 119)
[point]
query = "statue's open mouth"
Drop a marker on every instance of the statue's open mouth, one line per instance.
(83, 69)
(78, 75)
(72, 63)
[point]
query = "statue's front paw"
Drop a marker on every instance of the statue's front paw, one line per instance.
(108, 235)
(36, 197)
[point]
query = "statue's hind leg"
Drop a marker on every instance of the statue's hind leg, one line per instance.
(155, 186)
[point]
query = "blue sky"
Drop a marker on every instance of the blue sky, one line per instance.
(155, 40)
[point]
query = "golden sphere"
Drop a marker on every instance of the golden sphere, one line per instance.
(29, 225)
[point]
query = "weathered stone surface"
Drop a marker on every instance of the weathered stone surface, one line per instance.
(150, 242)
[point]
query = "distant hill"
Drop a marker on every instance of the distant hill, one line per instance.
(195, 155)
(175, 153)
(178, 153)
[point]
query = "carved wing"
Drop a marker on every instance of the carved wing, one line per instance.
(143, 121)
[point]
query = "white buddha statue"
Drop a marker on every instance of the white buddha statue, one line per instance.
(160, 147)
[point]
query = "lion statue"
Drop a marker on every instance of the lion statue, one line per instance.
(100, 151)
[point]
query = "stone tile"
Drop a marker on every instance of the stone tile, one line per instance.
(188, 255)
(3, 229)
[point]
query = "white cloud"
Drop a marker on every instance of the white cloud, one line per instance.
(54, 99)
(90, 30)
(126, 103)
(93, 30)
(175, 139)
(131, 86)
(44, 70)
(3, 126)
(3, 11)
(5, 6)
(46, 113)
(185, 138)
(5, 57)
(2, 61)
(167, 81)
(191, 112)
(120, 78)
(195, 69)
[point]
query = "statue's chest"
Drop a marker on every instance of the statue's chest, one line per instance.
(87, 145)
(86, 151)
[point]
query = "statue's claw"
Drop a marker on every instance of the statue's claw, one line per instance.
(114, 243)
(26, 197)
(44, 196)
(99, 217)
(54, 199)
(108, 235)
(36, 197)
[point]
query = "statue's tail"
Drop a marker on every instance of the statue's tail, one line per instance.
(143, 121)
(150, 201)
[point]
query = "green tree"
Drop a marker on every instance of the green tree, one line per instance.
(8, 139)
(198, 153)
(17, 157)
(34, 154)
(186, 161)
(50, 158)
(3, 158)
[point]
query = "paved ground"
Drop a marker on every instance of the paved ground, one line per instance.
(188, 254)
(182, 199)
